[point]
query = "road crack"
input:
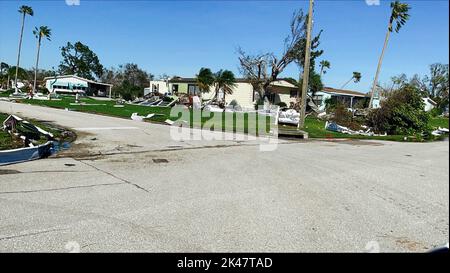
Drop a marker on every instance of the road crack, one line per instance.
(30, 234)
(115, 176)
(60, 189)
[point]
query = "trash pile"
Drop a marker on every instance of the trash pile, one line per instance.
(440, 131)
(334, 127)
(289, 116)
(157, 99)
(29, 133)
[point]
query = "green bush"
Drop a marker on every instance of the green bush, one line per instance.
(342, 116)
(233, 103)
(361, 103)
(402, 113)
(436, 112)
(330, 104)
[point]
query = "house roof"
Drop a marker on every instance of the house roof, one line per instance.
(77, 77)
(283, 83)
(343, 92)
(430, 100)
(194, 80)
(278, 83)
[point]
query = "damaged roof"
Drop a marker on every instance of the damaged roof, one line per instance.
(344, 92)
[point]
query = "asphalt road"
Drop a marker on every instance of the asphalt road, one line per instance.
(128, 186)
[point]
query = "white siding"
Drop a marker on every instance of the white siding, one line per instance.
(243, 94)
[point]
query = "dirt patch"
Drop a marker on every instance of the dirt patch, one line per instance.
(409, 244)
(77, 150)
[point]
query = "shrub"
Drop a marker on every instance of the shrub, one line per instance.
(436, 112)
(361, 103)
(342, 116)
(330, 104)
(233, 103)
(402, 113)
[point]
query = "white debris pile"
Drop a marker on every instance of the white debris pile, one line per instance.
(440, 131)
(136, 117)
(213, 108)
(289, 116)
(334, 127)
(196, 103)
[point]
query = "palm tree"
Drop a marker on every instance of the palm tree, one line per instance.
(205, 78)
(399, 16)
(24, 10)
(324, 64)
(224, 80)
(39, 33)
(356, 77)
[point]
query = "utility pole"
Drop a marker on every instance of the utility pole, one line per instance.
(304, 90)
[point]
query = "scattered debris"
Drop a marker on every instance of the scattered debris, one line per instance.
(28, 132)
(69, 164)
(196, 103)
(213, 108)
(334, 127)
(136, 117)
(31, 136)
(168, 121)
(289, 116)
(87, 104)
(440, 131)
(157, 100)
(25, 154)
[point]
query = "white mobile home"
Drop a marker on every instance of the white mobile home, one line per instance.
(72, 84)
(243, 93)
(429, 104)
(347, 97)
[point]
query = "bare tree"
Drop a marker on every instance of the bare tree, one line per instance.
(262, 69)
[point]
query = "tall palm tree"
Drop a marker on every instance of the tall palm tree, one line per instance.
(205, 78)
(24, 10)
(39, 33)
(399, 16)
(356, 77)
(224, 80)
(324, 64)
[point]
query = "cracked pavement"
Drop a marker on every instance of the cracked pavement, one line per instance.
(136, 189)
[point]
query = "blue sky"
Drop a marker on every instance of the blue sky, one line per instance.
(179, 37)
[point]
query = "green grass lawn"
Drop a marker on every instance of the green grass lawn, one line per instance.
(439, 122)
(231, 122)
(6, 141)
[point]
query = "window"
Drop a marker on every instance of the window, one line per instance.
(175, 88)
(193, 89)
(293, 93)
(155, 88)
(317, 99)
